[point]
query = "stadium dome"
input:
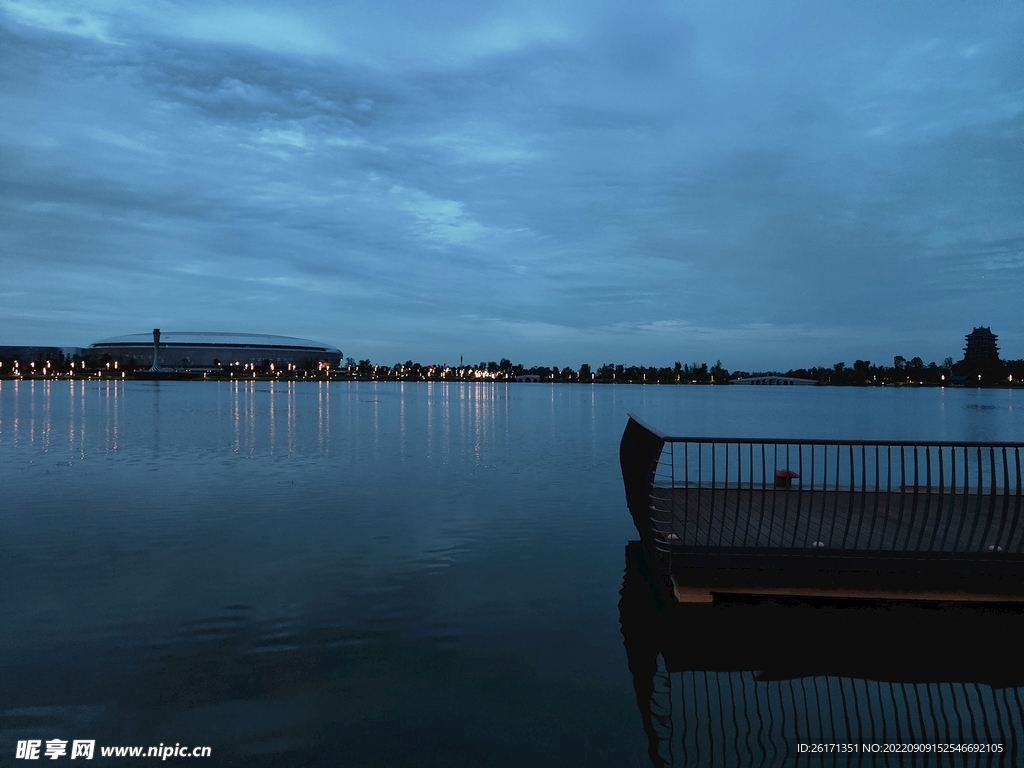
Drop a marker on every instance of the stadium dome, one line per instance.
(199, 350)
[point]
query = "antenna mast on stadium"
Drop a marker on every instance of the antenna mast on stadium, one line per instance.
(155, 367)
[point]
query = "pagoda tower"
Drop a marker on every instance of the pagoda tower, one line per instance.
(981, 350)
(981, 363)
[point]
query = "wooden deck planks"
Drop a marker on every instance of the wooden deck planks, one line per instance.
(916, 520)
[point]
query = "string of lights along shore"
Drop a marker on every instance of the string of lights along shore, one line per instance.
(211, 355)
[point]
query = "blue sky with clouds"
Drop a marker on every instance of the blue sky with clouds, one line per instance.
(772, 184)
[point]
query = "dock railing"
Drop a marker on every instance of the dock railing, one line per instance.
(853, 504)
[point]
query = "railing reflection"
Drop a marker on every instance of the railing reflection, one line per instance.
(747, 680)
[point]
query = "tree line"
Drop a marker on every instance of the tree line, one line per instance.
(903, 371)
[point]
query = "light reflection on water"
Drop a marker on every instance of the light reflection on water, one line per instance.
(415, 573)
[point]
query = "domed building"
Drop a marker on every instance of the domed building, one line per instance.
(201, 350)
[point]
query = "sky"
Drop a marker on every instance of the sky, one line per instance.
(769, 184)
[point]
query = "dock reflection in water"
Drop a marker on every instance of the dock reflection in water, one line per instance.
(747, 680)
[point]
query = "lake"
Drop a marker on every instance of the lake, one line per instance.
(369, 574)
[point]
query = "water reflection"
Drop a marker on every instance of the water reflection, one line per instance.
(271, 418)
(291, 416)
(746, 681)
(35, 413)
(89, 416)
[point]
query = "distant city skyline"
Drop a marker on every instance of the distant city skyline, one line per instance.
(980, 354)
(772, 185)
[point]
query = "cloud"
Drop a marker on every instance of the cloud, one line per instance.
(779, 180)
(438, 219)
(288, 137)
(69, 18)
(119, 140)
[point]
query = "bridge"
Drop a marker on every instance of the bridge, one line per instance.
(774, 381)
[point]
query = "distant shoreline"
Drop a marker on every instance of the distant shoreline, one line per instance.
(348, 377)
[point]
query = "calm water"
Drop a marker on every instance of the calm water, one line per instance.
(374, 574)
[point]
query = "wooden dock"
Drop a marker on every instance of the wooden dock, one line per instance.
(922, 538)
